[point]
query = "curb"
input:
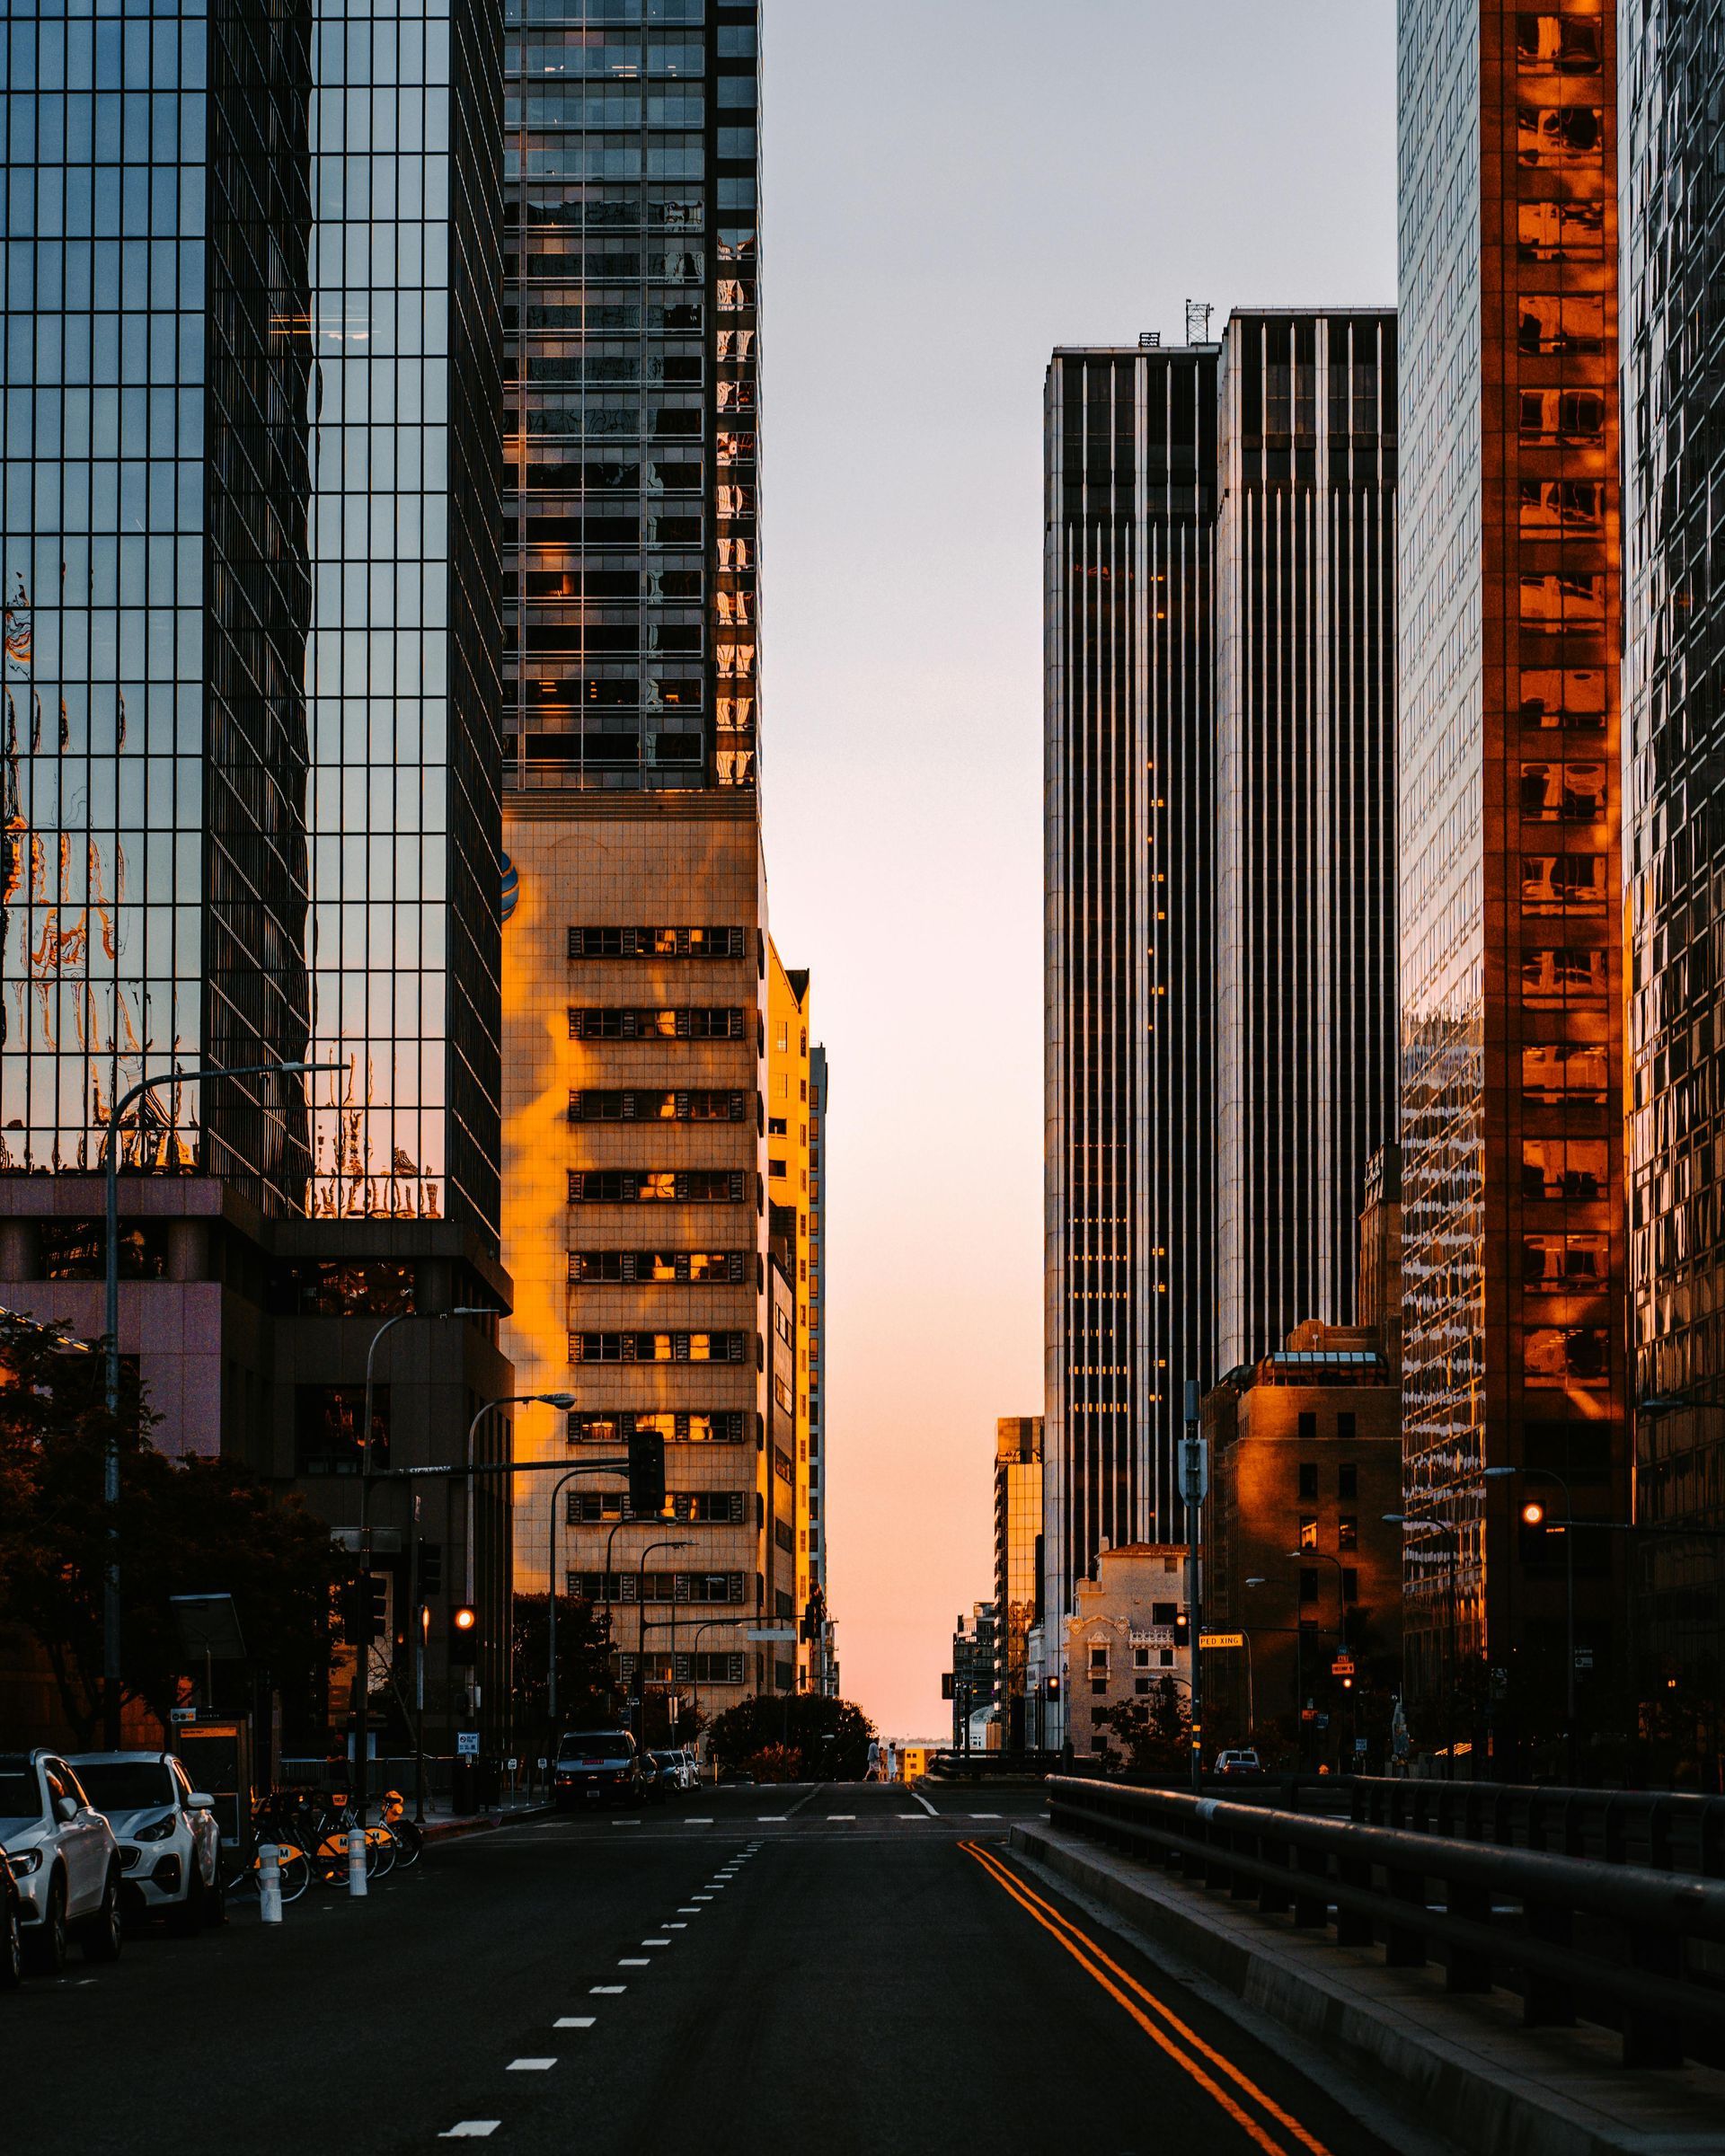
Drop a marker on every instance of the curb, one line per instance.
(481, 1823)
(1492, 2087)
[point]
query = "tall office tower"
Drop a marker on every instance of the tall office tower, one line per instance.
(1304, 809)
(826, 1663)
(1018, 1560)
(1674, 737)
(1129, 801)
(785, 1488)
(1511, 976)
(251, 730)
(635, 966)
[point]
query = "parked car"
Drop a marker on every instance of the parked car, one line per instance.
(1239, 1762)
(170, 1843)
(12, 1928)
(667, 1775)
(598, 1763)
(691, 1768)
(63, 1854)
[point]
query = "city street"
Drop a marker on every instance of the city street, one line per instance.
(800, 1970)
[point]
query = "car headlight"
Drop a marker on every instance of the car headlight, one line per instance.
(23, 1861)
(158, 1830)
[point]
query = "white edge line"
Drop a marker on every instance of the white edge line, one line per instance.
(573, 2022)
(926, 1806)
(530, 2065)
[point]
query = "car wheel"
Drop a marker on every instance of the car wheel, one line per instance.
(47, 1941)
(100, 1935)
(186, 1917)
(11, 1947)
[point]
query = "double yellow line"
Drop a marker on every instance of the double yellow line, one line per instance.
(1182, 2043)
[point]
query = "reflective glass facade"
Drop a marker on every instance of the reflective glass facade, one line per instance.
(1510, 973)
(1018, 1569)
(248, 544)
(1305, 812)
(1128, 810)
(631, 531)
(1673, 68)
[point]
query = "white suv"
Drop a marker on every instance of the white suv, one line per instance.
(170, 1844)
(64, 1857)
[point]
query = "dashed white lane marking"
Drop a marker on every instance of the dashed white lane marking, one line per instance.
(471, 2129)
(608, 1991)
(704, 1897)
(573, 2022)
(658, 1942)
(671, 1927)
(697, 1823)
(685, 1909)
(636, 1961)
(771, 1818)
(841, 1815)
(626, 1823)
(985, 1814)
(926, 1806)
(530, 2065)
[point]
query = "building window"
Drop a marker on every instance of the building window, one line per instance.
(1165, 1613)
(1309, 1583)
(658, 942)
(1099, 1687)
(1349, 1584)
(1308, 1472)
(327, 1420)
(1099, 1657)
(1348, 1532)
(1166, 1655)
(1348, 1479)
(1347, 1424)
(1140, 1657)
(1142, 1684)
(1308, 1424)
(1308, 1531)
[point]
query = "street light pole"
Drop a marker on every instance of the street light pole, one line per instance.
(551, 1591)
(110, 1670)
(641, 1624)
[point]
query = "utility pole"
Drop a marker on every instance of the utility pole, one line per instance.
(1194, 1485)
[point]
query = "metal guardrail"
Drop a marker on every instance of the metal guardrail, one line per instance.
(982, 1765)
(1664, 1830)
(1619, 1945)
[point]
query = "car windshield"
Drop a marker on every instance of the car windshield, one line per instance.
(20, 1798)
(594, 1747)
(127, 1785)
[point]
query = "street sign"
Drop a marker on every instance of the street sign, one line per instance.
(1360, 1743)
(1584, 1658)
(513, 1765)
(182, 1714)
(771, 1631)
(466, 1743)
(1342, 1667)
(543, 1763)
(1223, 1639)
(1194, 1470)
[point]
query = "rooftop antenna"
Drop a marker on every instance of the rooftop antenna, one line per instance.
(1198, 320)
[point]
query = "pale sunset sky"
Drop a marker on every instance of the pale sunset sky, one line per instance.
(953, 187)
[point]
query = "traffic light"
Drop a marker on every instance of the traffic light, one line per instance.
(646, 1473)
(464, 1628)
(1533, 1532)
(1054, 1688)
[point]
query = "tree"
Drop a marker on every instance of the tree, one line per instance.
(588, 1695)
(191, 1526)
(794, 1736)
(1155, 1730)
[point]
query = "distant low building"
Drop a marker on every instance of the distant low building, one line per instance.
(1128, 1633)
(1305, 1460)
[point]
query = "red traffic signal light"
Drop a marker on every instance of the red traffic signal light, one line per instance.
(1533, 1513)
(463, 1617)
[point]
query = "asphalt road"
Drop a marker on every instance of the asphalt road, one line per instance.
(809, 1972)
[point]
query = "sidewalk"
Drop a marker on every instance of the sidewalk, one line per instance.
(511, 1812)
(1465, 2065)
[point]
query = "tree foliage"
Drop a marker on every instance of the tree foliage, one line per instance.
(1155, 1731)
(794, 1736)
(191, 1527)
(588, 1696)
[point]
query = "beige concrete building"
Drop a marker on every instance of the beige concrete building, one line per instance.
(788, 1246)
(1127, 1632)
(635, 1212)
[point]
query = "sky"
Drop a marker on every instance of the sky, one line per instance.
(952, 188)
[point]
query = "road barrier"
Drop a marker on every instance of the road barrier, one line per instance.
(1622, 1945)
(1663, 1830)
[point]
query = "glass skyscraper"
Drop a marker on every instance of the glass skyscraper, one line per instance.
(1129, 439)
(1673, 72)
(1511, 978)
(249, 558)
(251, 721)
(631, 529)
(1305, 812)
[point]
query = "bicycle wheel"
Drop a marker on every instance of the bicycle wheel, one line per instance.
(411, 1840)
(381, 1850)
(296, 1873)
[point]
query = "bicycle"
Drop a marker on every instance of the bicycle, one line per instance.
(409, 1839)
(329, 1847)
(271, 1822)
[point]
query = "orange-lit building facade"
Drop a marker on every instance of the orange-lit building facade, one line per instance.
(1511, 976)
(787, 1484)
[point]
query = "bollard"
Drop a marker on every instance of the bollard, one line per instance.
(355, 1859)
(269, 1883)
